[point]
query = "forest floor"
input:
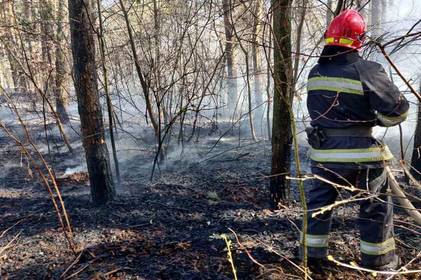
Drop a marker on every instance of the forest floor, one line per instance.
(170, 227)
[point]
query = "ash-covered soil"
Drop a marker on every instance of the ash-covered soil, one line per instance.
(169, 227)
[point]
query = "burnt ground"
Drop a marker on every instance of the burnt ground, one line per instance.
(170, 227)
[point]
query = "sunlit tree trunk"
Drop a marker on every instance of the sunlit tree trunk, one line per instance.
(230, 57)
(47, 32)
(60, 63)
(10, 43)
(282, 101)
(86, 85)
(27, 13)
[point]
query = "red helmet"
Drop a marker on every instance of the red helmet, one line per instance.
(346, 30)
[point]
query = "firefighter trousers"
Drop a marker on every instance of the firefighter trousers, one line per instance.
(375, 221)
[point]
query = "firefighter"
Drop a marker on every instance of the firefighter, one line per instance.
(347, 97)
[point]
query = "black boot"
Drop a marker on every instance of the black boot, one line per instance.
(393, 265)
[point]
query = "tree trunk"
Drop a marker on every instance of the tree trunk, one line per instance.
(46, 14)
(282, 100)
(257, 89)
(376, 18)
(383, 8)
(86, 85)
(60, 67)
(110, 108)
(10, 42)
(329, 13)
(299, 35)
(416, 153)
(362, 7)
(27, 13)
(140, 73)
(230, 58)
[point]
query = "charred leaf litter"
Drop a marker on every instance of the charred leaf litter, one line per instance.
(169, 227)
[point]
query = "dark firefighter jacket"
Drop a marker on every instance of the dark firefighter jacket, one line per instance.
(347, 93)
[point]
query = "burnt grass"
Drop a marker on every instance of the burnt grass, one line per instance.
(169, 227)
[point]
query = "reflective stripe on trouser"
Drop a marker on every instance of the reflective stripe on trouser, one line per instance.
(372, 154)
(375, 249)
(375, 218)
(335, 84)
(312, 240)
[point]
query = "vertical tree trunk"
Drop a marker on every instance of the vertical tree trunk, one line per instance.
(47, 32)
(329, 13)
(140, 74)
(268, 82)
(248, 84)
(27, 13)
(282, 100)
(86, 85)
(362, 7)
(10, 42)
(383, 8)
(257, 89)
(230, 57)
(299, 35)
(376, 18)
(60, 67)
(110, 109)
(416, 153)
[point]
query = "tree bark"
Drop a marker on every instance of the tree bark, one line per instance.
(60, 67)
(86, 85)
(339, 7)
(416, 152)
(230, 57)
(329, 14)
(376, 18)
(282, 101)
(257, 89)
(9, 41)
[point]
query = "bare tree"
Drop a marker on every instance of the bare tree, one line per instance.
(60, 65)
(86, 85)
(9, 40)
(416, 153)
(255, 52)
(230, 56)
(329, 14)
(376, 15)
(282, 100)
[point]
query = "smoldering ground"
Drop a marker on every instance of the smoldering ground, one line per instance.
(166, 228)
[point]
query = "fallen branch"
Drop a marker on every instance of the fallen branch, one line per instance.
(2, 250)
(242, 247)
(409, 174)
(401, 197)
(374, 272)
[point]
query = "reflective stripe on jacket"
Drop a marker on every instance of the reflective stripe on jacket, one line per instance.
(346, 91)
